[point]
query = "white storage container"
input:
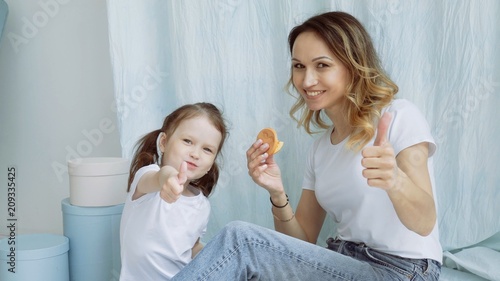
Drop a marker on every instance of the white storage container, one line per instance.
(97, 182)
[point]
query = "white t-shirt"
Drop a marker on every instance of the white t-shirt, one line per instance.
(156, 237)
(363, 213)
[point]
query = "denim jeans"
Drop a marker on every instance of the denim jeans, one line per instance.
(243, 251)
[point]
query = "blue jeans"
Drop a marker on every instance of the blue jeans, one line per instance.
(243, 251)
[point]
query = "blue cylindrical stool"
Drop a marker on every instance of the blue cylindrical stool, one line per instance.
(34, 257)
(94, 240)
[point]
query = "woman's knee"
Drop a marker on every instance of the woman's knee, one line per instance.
(241, 229)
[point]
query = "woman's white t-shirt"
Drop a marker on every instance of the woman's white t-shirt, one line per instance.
(363, 213)
(156, 237)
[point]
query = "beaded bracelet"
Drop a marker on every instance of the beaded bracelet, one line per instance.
(293, 215)
(279, 207)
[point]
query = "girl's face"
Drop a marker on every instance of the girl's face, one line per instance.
(319, 77)
(195, 141)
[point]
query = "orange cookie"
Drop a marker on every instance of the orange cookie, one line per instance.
(269, 136)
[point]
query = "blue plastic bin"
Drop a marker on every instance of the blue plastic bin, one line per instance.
(94, 240)
(36, 257)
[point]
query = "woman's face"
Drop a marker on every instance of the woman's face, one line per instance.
(195, 141)
(319, 77)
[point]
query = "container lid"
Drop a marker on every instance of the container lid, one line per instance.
(35, 246)
(68, 208)
(98, 166)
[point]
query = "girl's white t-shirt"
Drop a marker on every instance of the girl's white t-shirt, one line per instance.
(156, 237)
(363, 213)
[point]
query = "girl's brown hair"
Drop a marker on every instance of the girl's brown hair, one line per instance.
(146, 151)
(370, 89)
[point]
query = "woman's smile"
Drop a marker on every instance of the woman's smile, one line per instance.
(314, 93)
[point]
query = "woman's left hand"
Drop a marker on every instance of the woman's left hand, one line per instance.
(379, 161)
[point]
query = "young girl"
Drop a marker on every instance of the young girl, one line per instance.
(172, 173)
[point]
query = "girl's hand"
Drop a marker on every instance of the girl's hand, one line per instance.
(381, 169)
(262, 168)
(172, 182)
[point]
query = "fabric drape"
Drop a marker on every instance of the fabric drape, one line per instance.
(442, 54)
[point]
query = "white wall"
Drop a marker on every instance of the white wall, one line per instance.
(56, 93)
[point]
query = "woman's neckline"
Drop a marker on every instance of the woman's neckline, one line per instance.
(336, 139)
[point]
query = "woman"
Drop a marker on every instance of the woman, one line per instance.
(371, 171)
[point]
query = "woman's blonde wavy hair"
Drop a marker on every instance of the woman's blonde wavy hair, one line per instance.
(370, 89)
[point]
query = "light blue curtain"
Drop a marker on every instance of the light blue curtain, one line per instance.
(4, 11)
(443, 55)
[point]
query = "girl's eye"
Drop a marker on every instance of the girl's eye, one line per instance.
(208, 150)
(188, 141)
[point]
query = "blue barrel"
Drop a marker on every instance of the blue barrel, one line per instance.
(34, 257)
(94, 241)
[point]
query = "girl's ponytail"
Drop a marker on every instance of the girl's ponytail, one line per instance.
(145, 154)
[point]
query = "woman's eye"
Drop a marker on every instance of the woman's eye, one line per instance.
(298, 65)
(322, 65)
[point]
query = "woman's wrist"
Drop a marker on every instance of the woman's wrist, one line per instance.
(279, 200)
(282, 220)
(279, 206)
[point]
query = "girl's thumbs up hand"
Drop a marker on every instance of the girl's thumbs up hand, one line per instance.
(172, 182)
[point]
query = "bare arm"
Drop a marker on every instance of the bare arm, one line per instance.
(412, 196)
(196, 248)
(168, 181)
(308, 220)
(404, 177)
